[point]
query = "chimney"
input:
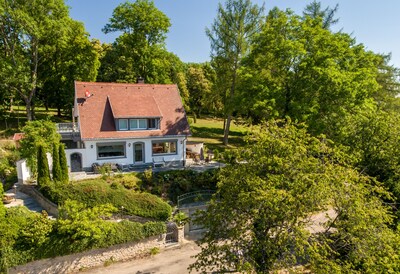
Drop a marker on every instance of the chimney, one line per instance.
(140, 80)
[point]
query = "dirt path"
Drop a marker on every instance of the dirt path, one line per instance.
(169, 261)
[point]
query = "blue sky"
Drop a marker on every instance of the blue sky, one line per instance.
(376, 24)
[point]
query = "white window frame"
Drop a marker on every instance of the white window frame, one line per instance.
(123, 128)
(111, 144)
(169, 149)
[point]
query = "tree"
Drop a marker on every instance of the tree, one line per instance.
(28, 29)
(260, 220)
(139, 51)
(63, 164)
(72, 57)
(84, 224)
(199, 88)
(43, 176)
(57, 175)
(327, 15)
(231, 32)
(37, 133)
(300, 70)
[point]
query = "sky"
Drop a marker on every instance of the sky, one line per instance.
(376, 24)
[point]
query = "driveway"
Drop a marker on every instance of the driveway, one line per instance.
(173, 260)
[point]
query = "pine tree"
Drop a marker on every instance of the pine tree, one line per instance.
(43, 176)
(57, 176)
(63, 164)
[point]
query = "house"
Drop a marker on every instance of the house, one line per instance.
(127, 124)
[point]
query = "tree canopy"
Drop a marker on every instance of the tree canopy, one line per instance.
(261, 218)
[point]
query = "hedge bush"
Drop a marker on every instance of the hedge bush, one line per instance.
(173, 183)
(97, 192)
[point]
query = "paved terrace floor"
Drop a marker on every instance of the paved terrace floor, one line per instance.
(21, 199)
(76, 176)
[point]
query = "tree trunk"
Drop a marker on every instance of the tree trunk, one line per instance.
(230, 101)
(227, 127)
(28, 109)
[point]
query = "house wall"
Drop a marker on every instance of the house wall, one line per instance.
(89, 153)
(23, 171)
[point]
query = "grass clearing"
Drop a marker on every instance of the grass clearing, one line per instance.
(17, 119)
(210, 132)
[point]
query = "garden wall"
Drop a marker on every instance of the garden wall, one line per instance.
(49, 206)
(92, 258)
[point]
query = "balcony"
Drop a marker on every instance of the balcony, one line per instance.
(69, 131)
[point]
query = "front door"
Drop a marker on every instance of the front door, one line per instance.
(76, 162)
(138, 153)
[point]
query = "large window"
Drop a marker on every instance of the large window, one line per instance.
(111, 150)
(166, 147)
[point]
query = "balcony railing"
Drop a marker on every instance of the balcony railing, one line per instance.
(67, 127)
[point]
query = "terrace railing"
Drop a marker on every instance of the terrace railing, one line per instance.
(67, 127)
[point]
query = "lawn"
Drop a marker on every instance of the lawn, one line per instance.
(17, 119)
(210, 132)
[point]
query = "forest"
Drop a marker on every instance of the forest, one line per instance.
(323, 113)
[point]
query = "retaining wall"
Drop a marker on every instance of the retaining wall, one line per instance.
(93, 258)
(30, 190)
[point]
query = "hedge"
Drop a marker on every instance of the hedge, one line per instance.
(96, 192)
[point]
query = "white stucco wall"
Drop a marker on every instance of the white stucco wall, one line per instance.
(89, 153)
(23, 171)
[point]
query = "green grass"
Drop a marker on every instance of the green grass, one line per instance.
(210, 132)
(17, 119)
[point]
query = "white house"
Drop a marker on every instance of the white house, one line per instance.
(131, 124)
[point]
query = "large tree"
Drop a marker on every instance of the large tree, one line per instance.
(140, 50)
(299, 69)
(28, 29)
(263, 217)
(230, 34)
(72, 57)
(314, 10)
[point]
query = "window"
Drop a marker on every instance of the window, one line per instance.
(138, 124)
(111, 150)
(168, 147)
(153, 123)
(123, 124)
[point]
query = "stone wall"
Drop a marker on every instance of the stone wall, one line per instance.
(30, 190)
(92, 258)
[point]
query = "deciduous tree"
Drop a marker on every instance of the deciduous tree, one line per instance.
(230, 35)
(27, 30)
(262, 217)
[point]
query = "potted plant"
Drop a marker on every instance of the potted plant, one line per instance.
(180, 219)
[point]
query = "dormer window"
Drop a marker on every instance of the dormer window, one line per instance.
(123, 124)
(138, 124)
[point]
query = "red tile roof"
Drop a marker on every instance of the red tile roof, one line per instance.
(108, 101)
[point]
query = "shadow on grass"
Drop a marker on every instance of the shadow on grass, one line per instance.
(17, 120)
(206, 132)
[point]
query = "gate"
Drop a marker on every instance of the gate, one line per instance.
(172, 234)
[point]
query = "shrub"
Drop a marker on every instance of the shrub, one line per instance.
(97, 192)
(56, 164)
(43, 177)
(63, 164)
(177, 182)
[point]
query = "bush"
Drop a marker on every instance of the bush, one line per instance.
(127, 231)
(177, 182)
(97, 192)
